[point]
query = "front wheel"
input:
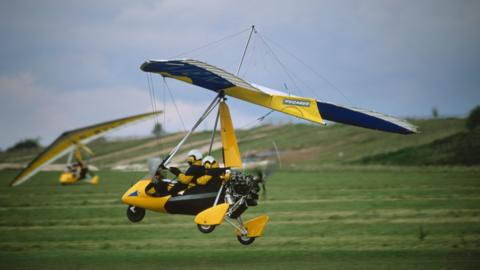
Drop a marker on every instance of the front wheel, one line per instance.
(206, 228)
(135, 214)
(245, 240)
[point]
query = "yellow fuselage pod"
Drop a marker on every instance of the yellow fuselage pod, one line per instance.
(67, 178)
(193, 200)
(136, 196)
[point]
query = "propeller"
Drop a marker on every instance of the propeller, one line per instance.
(269, 169)
(266, 167)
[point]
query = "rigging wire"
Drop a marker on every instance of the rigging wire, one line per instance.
(150, 92)
(316, 73)
(246, 47)
(281, 64)
(161, 96)
(212, 43)
(164, 92)
(250, 57)
(157, 97)
(257, 121)
(175, 104)
(212, 138)
(152, 97)
(245, 51)
(209, 109)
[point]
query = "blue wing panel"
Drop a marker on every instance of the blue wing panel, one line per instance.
(365, 119)
(199, 76)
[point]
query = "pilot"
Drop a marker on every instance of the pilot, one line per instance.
(213, 174)
(189, 177)
(80, 170)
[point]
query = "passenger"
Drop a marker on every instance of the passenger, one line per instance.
(214, 176)
(190, 176)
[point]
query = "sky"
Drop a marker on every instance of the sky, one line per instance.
(69, 64)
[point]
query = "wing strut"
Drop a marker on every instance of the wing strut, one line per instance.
(209, 109)
(231, 153)
(213, 133)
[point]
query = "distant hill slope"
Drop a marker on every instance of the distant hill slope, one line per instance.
(300, 145)
(305, 145)
(459, 149)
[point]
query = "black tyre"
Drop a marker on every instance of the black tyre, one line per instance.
(206, 228)
(135, 214)
(245, 240)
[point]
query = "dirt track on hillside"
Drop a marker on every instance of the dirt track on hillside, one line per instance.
(202, 145)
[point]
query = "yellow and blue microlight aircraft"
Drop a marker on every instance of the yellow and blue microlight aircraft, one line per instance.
(72, 143)
(236, 191)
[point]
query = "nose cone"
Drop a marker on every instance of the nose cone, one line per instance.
(136, 196)
(131, 194)
(67, 178)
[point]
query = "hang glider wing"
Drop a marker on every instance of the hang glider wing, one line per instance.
(70, 140)
(216, 79)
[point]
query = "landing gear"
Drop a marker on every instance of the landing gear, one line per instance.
(245, 240)
(135, 214)
(206, 228)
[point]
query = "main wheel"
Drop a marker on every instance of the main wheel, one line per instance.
(206, 228)
(135, 214)
(245, 240)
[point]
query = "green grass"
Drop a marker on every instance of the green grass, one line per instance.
(333, 218)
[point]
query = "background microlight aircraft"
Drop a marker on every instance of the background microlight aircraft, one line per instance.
(72, 143)
(78, 169)
(234, 195)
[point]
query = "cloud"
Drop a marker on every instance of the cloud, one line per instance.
(68, 64)
(28, 109)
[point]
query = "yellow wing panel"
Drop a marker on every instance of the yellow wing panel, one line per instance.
(181, 78)
(52, 153)
(305, 108)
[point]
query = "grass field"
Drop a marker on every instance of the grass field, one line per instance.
(333, 218)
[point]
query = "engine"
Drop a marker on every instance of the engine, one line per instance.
(241, 192)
